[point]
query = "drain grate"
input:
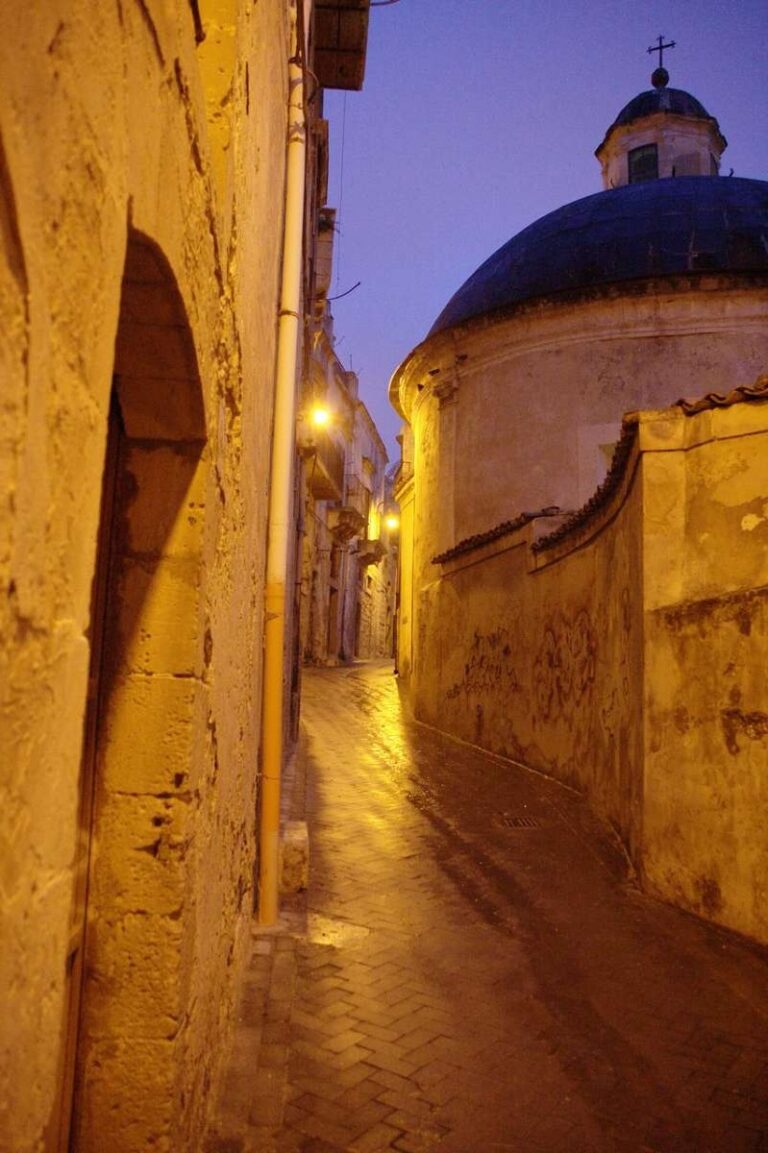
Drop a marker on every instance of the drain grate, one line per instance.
(510, 822)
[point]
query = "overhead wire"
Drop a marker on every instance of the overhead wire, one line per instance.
(341, 295)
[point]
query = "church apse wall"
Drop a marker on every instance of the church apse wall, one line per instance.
(557, 379)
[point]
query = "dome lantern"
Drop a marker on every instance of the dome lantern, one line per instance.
(663, 132)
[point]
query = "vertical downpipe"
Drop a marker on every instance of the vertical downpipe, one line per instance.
(281, 486)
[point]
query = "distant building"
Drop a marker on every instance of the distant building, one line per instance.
(348, 573)
(569, 583)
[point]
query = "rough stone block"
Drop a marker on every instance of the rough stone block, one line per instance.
(149, 733)
(294, 857)
(142, 864)
(130, 1081)
(158, 610)
(137, 956)
(40, 751)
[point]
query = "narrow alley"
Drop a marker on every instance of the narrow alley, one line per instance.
(473, 970)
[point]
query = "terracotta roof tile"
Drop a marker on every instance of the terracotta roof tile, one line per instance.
(756, 391)
(479, 539)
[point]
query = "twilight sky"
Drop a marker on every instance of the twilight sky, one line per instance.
(479, 116)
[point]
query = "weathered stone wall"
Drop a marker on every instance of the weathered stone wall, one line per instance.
(119, 136)
(705, 494)
(628, 659)
(316, 584)
(376, 600)
(404, 494)
(543, 665)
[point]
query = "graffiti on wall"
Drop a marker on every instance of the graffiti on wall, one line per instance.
(564, 669)
(488, 670)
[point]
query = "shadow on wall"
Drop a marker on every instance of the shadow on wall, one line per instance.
(127, 952)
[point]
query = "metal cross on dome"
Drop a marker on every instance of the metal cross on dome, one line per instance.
(660, 47)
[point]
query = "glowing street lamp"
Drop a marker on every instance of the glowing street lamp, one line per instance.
(392, 521)
(319, 416)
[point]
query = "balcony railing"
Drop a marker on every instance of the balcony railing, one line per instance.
(325, 469)
(357, 496)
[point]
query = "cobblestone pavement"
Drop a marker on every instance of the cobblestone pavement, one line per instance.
(475, 972)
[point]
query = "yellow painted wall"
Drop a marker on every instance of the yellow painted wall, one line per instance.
(628, 660)
(706, 627)
(112, 138)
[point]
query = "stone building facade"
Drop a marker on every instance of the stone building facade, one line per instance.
(604, 646)
(142, 182)
(348, 551)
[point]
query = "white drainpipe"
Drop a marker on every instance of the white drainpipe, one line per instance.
(281, 486)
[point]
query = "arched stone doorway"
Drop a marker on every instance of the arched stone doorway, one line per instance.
(129, 956)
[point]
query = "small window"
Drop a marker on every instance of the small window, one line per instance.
(643, 163)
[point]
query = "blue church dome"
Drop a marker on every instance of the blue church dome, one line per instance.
(686, 225)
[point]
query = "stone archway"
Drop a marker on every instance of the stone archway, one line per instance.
(139, 764)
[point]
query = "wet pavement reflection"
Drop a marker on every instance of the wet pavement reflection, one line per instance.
(478, 972)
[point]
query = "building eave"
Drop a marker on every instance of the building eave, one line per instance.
(340, 43)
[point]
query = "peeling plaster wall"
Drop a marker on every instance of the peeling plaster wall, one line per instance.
(706, 644)
(106, 120)
(517, 413)
(629, 660)
(543, 666)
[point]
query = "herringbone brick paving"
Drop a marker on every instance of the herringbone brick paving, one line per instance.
(473, 972)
